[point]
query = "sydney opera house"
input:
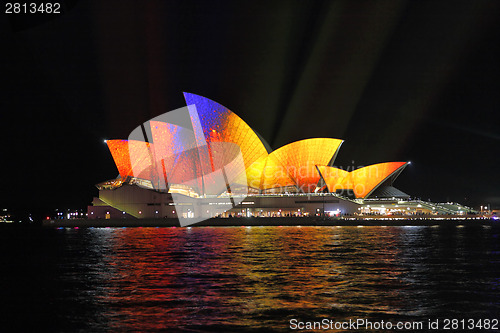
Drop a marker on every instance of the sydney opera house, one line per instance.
(204, 161)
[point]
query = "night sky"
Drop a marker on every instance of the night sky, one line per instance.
(398, 81)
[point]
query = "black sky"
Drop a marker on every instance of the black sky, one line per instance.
(413, 81)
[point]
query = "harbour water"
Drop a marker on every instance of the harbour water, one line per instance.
(231, 279)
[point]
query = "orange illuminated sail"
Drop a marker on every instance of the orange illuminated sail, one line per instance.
(333, 177)
(132, 158)
(362, 181)
(295, 163)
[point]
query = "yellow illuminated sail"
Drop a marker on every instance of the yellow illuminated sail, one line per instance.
(362, 181)
(295, 163)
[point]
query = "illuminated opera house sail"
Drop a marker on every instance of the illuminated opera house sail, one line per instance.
(203, 160)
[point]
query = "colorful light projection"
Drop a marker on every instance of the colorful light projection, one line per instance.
(177, 156)
(362, 181)
(219, 124)
(192, 146)
(295, 163)
(132, 158)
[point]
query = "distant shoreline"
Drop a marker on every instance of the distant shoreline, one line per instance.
(267, 221)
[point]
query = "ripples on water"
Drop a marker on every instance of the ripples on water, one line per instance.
(245, 279)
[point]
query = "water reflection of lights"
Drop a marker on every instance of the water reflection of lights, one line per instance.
(190, 278)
